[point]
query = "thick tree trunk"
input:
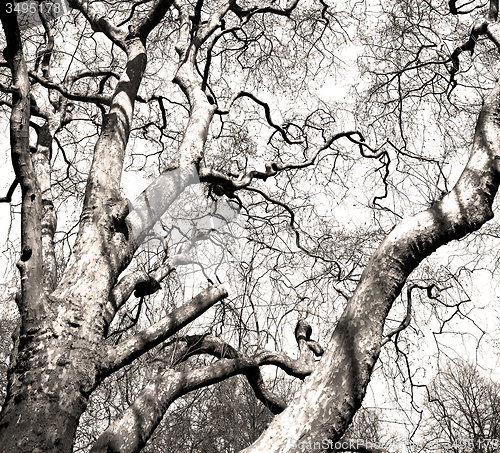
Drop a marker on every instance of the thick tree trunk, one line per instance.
(47, 394)
(57, 357)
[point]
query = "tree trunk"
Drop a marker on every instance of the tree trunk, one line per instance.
(47, 393)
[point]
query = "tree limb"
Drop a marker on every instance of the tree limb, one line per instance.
(267, 111)
(125, 352)
(99, 23)
(10, 192)
(30, 264)
(128, 284)
(80, 97)
(269, 8)
(406, 321)
(42, 165)
(272, 168)
(129, 432)
(152, 18)
(331, 396)
(189, 346)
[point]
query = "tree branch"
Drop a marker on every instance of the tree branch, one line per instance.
(270, 8)
(30, 264)
(10, 192)
(189, 346)
(41, 161)
(406, 321)
(47, 56)
(205, 30)
(334, 392)
(243, 180)
(153, 202)
(477, 30)
(152, 19)
(127, 351)
(80, 97)
(267, 111)
(99, 23)
(104, 210)
(129, 432)
(128, 284)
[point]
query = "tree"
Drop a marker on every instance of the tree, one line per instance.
(92, 84)
(464, 409)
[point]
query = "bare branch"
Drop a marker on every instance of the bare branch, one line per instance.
(84, 73)
(92, 98)
(189, 346)
(129, 432)
(214, 22)
(30, 264)
(10, 192)
(479, 28)
(488, 27)
(294, 228)
(242, 181)
(103, 185)
(41, 161)
(152, 19)
(125, 352)
(456, 10)
(406, 321)
(126, 286)
(267, 111)
(47, 56)
(206, 70)
(345, 369)
(307, 347)
(269, 8)
(99, 23)
(121, 293)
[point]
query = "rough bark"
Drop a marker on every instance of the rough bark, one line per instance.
(58, 357)
(155, 200)
(21, 403)
(130, 349)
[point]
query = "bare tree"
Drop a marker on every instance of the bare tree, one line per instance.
(88, 94)
(464, 410)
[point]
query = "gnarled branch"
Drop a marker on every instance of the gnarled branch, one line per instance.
(130, 431)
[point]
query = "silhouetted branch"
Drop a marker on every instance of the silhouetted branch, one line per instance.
(10, 192)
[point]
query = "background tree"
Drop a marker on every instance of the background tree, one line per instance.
(464, 410)
(88, 97)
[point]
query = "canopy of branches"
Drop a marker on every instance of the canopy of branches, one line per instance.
(196, 190)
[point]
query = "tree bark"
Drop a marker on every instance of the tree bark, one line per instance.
(129, 432)
(60, 358)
